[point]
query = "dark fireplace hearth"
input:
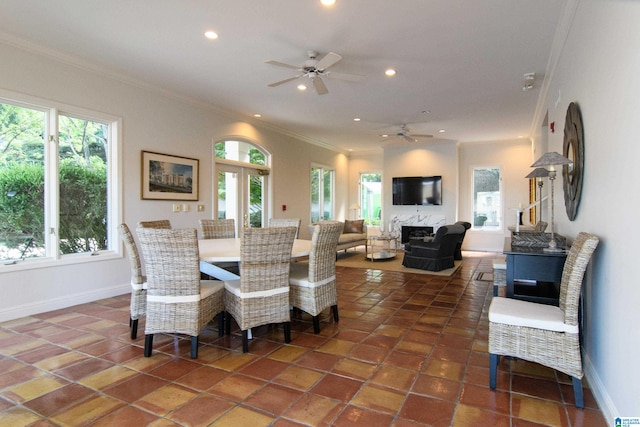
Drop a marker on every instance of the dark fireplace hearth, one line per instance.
(409, 232)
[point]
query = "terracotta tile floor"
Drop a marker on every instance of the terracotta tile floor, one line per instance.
(409, 350)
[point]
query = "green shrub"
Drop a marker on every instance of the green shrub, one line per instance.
(83, 204)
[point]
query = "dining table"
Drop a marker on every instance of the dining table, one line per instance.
(214, 251)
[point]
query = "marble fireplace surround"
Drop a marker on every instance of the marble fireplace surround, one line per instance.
(416, 220)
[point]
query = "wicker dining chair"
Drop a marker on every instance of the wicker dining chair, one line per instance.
(313, 284)
(217, 228)
(158, 223)
(544, 334)
(286, 222)
(138, 306)
(178, 301)
(261, 295)
(220, 229)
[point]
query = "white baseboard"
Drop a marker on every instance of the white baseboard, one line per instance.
(603, 399)
(65, 301)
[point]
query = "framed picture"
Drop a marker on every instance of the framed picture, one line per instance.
(167, 177)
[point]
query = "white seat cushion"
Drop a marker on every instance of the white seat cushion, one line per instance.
(209, 287)
(299, 276)
(233, 286)
(510, 311)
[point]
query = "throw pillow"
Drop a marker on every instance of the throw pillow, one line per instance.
(355, 226)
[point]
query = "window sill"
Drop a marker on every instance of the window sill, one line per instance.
(71, 259)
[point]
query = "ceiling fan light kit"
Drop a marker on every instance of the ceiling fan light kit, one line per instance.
(314, 70)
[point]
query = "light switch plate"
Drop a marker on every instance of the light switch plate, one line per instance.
(200, 208)
(186, 207)
(177, 207)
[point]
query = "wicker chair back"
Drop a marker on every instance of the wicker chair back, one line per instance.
(217, 228)
(159, 223)
(286, 222)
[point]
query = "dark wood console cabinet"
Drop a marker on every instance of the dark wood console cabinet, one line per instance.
(532, 274)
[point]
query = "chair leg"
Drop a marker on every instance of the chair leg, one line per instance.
(493, 370)
(334, 308)
(316, 324)
(287, 332)
(245, 341)
(577, 392)
(148, 344)
(227, 322)
(134, 329)
(221, 323)
(194, 347)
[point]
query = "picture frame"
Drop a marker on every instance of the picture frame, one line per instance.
(169, 177)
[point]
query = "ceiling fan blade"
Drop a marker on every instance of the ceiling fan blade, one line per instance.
(328, 60)
(284, 81)
(409, 138)
(319, 85)
(345, 76)
(282, 64)
(414, 135)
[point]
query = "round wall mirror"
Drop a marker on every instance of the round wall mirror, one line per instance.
(573, 149)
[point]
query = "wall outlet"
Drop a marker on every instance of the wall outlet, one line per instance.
(186, 207)
(177, 207)
(200, 208)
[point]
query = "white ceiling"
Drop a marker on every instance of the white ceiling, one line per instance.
(462, 60)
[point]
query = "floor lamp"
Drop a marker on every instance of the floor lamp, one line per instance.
(550, 161)
(538, 174)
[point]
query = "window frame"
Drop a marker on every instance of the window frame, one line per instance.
(332, 191)
(500, 211)
(52, 110)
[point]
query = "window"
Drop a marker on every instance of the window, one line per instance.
(487, 199)
(57, 185)
(322, 182)
(371, 197)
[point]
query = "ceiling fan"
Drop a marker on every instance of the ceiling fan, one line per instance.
(314, 69)
(404, 133)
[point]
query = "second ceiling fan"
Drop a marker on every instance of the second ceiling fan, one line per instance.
(404, 133)
(315, 69)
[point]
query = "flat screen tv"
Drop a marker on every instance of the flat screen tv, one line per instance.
(417, 190)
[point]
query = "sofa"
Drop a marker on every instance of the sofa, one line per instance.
(353, 234)
(437, 254)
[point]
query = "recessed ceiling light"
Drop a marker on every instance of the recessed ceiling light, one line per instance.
(211, 35)
(357, 119)
(302, 87)
(258, 115)
(385, 135)
(441, 131)
(390, 72)
(328, 2)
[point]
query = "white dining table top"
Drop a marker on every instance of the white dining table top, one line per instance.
(224, 250)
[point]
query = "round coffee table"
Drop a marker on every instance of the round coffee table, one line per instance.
(379, 247)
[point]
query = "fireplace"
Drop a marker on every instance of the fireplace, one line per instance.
(414, 232)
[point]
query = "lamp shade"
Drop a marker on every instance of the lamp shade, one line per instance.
(538, 173)
(551, 159)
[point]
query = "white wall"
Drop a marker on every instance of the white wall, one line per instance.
(152, 121)
(428, 159)
(598, 69)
